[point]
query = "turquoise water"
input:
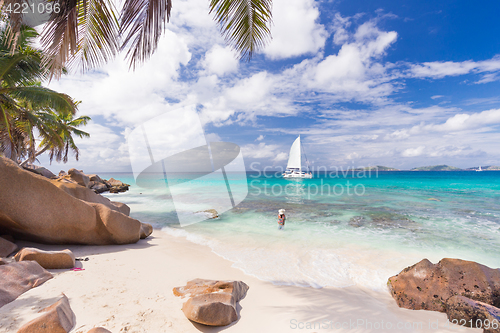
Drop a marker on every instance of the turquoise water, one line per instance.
(341, 229)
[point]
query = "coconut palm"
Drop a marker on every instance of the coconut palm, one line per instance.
(90, 32)
(65, 125)
(26, 108)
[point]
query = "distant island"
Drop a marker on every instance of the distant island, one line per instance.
(442, 167)
(485, 168)
(436, 168)
(377, 168)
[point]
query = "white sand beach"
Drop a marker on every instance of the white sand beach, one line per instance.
(128, 288)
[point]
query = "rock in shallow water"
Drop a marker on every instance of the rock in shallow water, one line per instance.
(212, 302)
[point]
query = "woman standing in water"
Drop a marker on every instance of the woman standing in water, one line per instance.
(281, 219)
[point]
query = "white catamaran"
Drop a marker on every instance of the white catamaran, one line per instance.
(294, 166)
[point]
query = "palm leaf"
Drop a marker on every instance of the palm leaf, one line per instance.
(15, 20)
(244, 24)
(142, 22)
(84, 33)
(98, 33)
(41, 97)
(60, 35)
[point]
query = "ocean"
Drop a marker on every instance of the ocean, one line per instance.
(342, 229)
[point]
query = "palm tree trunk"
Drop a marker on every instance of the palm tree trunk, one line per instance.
(36, 154)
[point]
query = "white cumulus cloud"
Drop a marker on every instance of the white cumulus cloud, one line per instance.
(412, 152)
(296, 29)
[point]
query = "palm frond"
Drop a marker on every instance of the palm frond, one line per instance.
(244, 24)
(60, 36)
(41, 97)
(98, 33)
(84, 34)
(15, 19)
(142, 22)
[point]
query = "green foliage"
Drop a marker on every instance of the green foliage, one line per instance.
(28, 111)
(88, 33)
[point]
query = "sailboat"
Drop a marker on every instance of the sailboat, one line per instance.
(294, 166)
(479, 169)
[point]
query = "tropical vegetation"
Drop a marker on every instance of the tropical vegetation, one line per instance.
(33, 119)
(90, 32)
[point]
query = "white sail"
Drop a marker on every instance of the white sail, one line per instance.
(294, 159)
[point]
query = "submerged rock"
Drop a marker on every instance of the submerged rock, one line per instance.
(57, 318)
(47, 259)
(211, 213)
(19, 277)
(212, 302)
(357, 221)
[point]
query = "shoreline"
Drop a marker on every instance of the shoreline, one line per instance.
(128, 288)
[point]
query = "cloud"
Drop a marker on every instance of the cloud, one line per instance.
(130, 97)
(103, 151)
(262, 151)
(296, 29)
(192, 67)
(221, 60)
(355, 72)
(282, 156)
(339, 25)
(441, 69)
(412, 152)
(463, 121)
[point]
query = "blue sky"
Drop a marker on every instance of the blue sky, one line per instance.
(395, 83)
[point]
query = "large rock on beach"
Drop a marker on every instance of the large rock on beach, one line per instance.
(47, 259)
(6, 247)
(96, 179)
(57, 318)
(470, 313)
(99, 188)
(52, 211)
(425, 286)
(115, 182)
(39, 170)
(89, 195)
(78, 176)
(19, 277)
(146, 230)
(116, 186)
(212, 302)
(99, 330)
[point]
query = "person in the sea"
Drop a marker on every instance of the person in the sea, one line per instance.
(281, 219)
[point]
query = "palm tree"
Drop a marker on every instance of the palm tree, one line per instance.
(26, 108)
(65, 127)
(90, 32)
